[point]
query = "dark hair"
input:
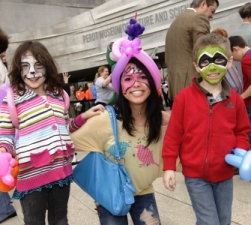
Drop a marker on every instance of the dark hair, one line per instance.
(153, 108)
(4, 41)
(245, 11)
(237, 41)
(42, 55)
(196, 3)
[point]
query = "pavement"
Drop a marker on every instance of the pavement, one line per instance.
(174, 207)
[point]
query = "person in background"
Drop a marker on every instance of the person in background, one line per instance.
(88, 92)
(232, 76)
(181, 36)
(221, 125)
(103, 86)
(72, 108)
(6, 209)
(245, 29)
(94, 90)
(44, 149)
(242, 53)
(80, 94)
(165, 91)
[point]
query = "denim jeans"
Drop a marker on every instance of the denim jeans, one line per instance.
(212, 202)
(249, 116)
(143, 211)
(55, 199)
(6, 209)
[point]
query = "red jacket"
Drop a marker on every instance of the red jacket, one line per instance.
(202, 135)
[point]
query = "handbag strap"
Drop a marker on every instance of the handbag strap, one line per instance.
(113, 118)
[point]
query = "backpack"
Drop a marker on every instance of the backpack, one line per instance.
(6, 90)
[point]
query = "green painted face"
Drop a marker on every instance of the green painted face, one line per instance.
(212, 62)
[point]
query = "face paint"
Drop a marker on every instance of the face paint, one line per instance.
(212, 62)
(131, 75)
(31, 68)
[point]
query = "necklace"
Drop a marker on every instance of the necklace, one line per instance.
(139, 112)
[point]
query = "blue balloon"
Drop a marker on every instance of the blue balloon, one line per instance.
(242, 160)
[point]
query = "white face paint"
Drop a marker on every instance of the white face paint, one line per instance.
(31, 68)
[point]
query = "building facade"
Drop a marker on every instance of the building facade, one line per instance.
(78, 42)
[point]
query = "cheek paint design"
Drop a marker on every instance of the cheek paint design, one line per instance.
(31, 68)
(127, 81)
(130, 75)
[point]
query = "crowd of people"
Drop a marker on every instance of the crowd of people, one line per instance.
(202, 81)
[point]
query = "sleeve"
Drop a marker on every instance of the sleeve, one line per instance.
(243, 127)
(99, 82)
(92, 136)
(201, 26)
(76, 123)
(246, 68)
(174, 134)
(66, 87)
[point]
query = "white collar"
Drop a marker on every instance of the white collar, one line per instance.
(192, 9)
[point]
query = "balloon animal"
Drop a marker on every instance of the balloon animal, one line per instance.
(6, 165)
(242, 160)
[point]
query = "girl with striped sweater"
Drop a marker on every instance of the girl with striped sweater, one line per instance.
(43, 147)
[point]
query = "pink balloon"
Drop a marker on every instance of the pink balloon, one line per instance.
(151, 66)
(116, 48)
(8, 179)
(117, 71)
(6, 165)
(123, 50)
(12, 107)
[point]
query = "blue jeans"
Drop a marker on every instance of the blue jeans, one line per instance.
(249, 116)
(212, 202)
(143, 211)
(6, 209)
(55, 199)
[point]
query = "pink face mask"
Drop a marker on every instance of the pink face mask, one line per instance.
(131, 75)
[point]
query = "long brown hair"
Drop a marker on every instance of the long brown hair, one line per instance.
(41, 54)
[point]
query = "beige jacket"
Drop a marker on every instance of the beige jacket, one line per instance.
(180, 39)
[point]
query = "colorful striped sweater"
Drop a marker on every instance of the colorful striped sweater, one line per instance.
(44, 148)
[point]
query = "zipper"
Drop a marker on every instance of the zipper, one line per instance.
(208, 140)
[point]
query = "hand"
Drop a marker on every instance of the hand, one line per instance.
(66, 77)
(169, 180)
(3, 150)
(95, 110)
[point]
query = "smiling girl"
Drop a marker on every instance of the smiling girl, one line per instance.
(43, 148)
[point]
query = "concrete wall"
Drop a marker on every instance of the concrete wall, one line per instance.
(22, 15)
(80, 42)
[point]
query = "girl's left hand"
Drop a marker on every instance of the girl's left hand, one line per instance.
(95, 110)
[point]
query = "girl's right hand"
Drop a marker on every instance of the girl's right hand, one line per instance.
(169, 180)
(95, 110)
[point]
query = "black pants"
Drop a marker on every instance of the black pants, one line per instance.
(34, 206)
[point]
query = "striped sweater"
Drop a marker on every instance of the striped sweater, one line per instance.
(44, 148)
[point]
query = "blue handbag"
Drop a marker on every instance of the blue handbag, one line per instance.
(106, 182)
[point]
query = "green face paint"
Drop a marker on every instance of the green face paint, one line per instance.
(212, 62)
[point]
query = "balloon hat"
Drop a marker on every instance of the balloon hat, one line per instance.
(124, 49)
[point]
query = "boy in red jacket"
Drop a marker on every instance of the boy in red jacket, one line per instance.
(208, 119)
(241, 52)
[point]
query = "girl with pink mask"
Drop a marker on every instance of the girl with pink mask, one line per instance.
(43, 147)
(141, 127)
